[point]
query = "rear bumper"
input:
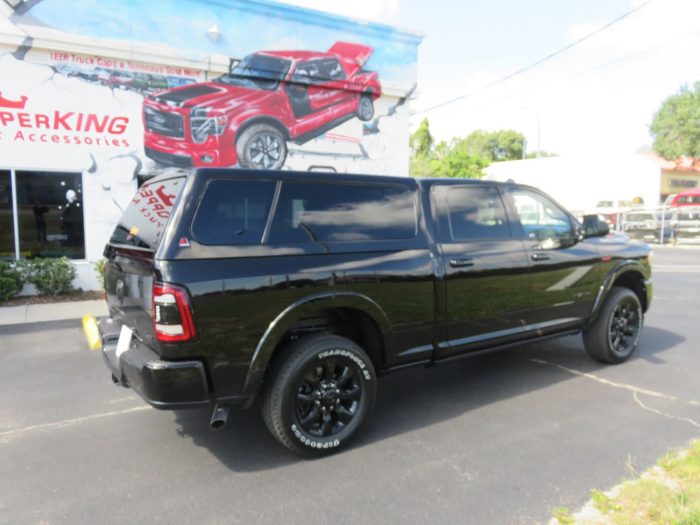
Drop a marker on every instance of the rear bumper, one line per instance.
(163, 384)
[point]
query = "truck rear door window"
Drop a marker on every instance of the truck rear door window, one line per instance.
(233, 212)
(326, 212)
(143, 222)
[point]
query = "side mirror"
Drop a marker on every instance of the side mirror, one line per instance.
(594, 226)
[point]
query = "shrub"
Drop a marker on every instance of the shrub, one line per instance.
(11, 281)
(50, 276)
(100, 271)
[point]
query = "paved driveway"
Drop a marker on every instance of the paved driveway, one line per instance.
(502, 438)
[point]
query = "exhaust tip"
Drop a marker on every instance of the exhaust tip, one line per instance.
(219, 417)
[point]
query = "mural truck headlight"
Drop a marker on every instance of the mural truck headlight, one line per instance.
(206, 122)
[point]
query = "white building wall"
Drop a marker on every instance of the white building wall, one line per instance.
(580, 183)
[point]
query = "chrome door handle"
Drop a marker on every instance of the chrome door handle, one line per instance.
(539, 256)
(461, 262)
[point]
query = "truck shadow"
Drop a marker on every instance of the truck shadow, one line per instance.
(417, 398)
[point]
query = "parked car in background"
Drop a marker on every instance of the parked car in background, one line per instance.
(103, 75)
(148, 82)
(121, 79)
(612, 210)
(247, 116)
(687, 223)
(648, 225)
(689, 197)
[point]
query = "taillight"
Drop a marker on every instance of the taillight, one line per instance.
(172, 315)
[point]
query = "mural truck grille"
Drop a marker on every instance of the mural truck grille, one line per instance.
(168, 124)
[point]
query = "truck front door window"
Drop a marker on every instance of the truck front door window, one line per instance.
(542, 220)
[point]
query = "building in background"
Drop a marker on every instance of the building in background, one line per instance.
(96, 96)
(678, 176)
(581, 183)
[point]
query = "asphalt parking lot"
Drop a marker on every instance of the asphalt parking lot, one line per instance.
(502, 438)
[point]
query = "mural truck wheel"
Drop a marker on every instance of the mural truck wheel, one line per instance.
(365, 108)
(261, 146)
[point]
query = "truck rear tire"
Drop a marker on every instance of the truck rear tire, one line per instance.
(319, 395)
(614, 335)
(261, 146)
(365, 108)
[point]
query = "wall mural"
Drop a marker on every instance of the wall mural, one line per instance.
(248, 84)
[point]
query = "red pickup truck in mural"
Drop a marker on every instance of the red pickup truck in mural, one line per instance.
(246, 117)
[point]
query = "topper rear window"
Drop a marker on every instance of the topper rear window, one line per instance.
(143, 222)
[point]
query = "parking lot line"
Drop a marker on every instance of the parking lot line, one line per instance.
(614, 384)
(69, 422)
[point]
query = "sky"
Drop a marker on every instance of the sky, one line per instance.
(244, 28)
(599, 96)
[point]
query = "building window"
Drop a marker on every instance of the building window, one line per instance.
(46, 208)
(7, 230)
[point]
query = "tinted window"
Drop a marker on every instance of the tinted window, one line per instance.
(310, 212)
(233, 212)
(333, 70)
(258, 72)
(143, 222)
(309, 73)
(476, 213)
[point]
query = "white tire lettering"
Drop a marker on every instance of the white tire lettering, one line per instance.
(345, 353)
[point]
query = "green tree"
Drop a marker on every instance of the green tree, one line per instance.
(454, 159)
(676, 125)
(421, 141)
(505, 144)
(446, 159)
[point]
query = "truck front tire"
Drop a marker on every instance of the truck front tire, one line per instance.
(614, 335)
(261, 146)
(319, 395)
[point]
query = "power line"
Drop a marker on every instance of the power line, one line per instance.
(537, 62)
(610, 64)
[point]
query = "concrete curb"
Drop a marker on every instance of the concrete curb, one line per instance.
(36, 313)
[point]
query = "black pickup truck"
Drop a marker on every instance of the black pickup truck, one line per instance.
(304, 287)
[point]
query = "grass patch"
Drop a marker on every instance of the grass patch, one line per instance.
(667, 494)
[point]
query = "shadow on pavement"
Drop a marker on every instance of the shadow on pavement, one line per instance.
(417, 398)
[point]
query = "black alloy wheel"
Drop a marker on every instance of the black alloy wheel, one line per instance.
(624, 326)
(318, 394)
(614, 334)
(328, 397)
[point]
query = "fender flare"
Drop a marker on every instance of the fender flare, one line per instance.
(620, 269)
(302, 308)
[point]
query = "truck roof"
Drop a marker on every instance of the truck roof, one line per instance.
(338, 177)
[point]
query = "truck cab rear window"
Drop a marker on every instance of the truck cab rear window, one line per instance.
(309, 212)
(233, 212)
(143, 222)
